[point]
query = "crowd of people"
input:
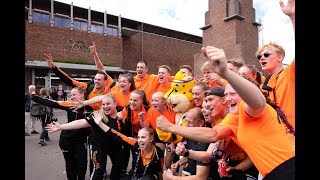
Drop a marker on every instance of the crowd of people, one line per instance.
(241, 126)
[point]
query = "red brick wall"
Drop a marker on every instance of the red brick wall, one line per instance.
(158, 50)
(124, 52)
(42, 38)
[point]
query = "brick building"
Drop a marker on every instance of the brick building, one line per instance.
(66, 31)
(231, 25)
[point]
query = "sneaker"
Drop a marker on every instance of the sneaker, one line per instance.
(34, 132)
(26, 134)
(42, 142)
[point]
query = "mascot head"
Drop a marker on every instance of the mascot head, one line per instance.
(180, 98)
(181, 85)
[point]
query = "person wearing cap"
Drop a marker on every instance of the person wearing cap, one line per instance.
(268, 143)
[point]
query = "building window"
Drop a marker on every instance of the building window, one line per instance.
(63, 22)
(80, 25)
(233, 7)
(84, 26)
(97, 28)
(41, 18)
(112, 31)
(76, 25)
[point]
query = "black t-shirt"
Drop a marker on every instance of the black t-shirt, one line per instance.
(98, 137)
(192, 164)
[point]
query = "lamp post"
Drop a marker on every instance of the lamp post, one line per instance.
(260, 28)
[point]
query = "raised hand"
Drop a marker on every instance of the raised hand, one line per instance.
(217, 59)
(289, 9)
(93, 49)
(49, 59)
(76, 103)
(97, 117)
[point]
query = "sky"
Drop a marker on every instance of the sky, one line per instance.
(189, 15)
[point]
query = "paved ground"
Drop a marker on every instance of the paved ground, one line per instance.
(46, 162)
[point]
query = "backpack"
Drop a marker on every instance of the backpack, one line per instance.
(46, 110)
(35, 109)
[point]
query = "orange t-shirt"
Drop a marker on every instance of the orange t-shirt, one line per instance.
(134, 118)
(152, 115)
(267, 143)
(121, 99)
(230, 145)
(94, 93)
(163, 89)
(283, 85)
(148, 83)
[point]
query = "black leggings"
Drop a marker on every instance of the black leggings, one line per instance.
(75, 156)
(99, 160)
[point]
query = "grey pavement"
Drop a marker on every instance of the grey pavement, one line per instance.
(46, 162)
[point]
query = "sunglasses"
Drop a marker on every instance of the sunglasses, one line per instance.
(266, 54)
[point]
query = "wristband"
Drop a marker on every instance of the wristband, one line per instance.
(186, 154)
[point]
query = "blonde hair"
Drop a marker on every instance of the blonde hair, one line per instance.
(206, 67)
(238, 62)
(43, 91)
(278, 48)
(101, 111)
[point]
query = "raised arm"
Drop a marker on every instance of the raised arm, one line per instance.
(289, 10)
(77, 124)
(61, 74)
(77, 103)
(255, 101)
(201, 134)
(96, 58)
(117, 136)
